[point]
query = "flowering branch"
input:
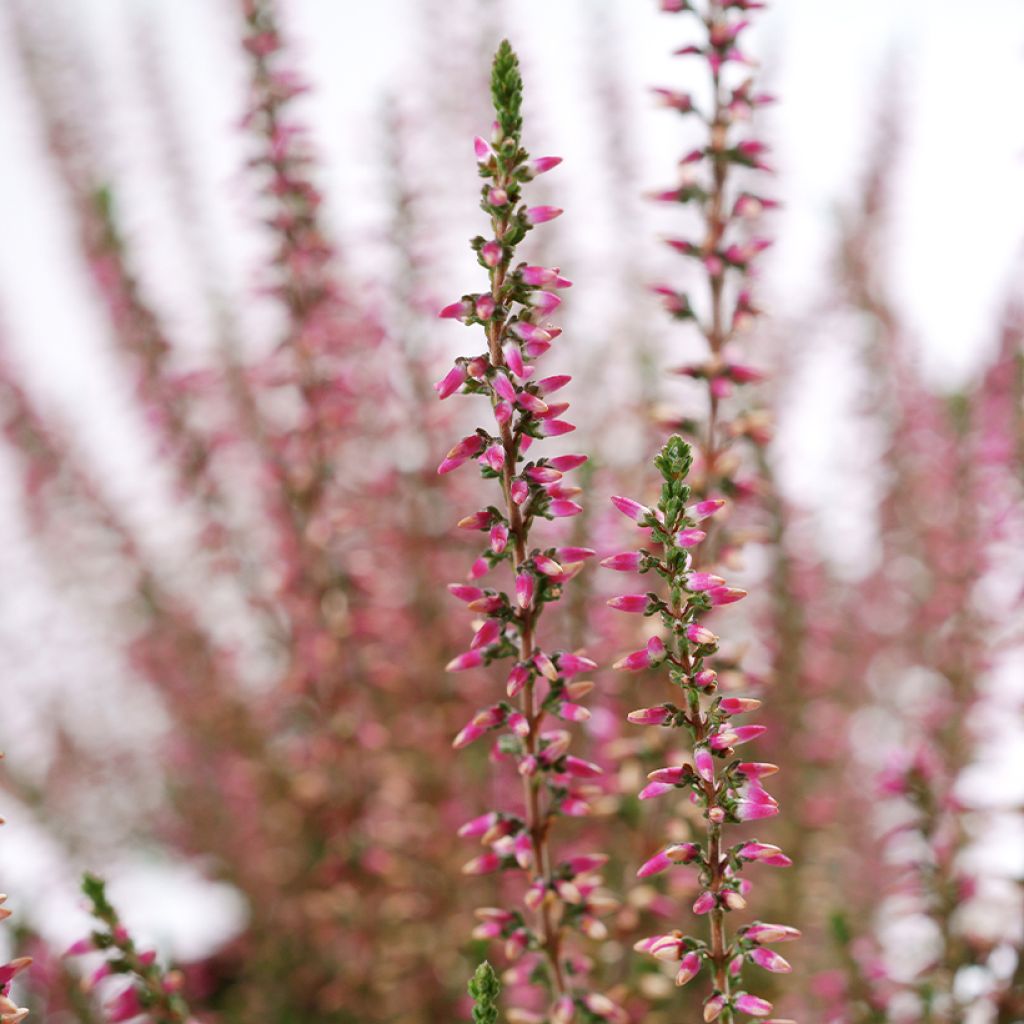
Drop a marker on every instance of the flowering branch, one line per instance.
(513, 312)
(153, 992)
(725, 794)
(724, 254)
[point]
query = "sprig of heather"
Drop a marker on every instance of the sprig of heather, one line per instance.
(726, 790)
(10, 1012)
(513, 312)
(724, 248)
(153, 992)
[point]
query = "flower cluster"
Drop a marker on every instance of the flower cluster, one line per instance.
(561, 894)
(153, 993)
(724, 250)
(725, 789)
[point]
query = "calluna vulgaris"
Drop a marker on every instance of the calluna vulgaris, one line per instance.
(682, 552)
(561, 894)
(151, 991)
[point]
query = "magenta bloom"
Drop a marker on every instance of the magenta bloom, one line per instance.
(540, 214)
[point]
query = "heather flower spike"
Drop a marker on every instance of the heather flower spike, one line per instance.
(726, 790)
(153, 992)
(512, 313)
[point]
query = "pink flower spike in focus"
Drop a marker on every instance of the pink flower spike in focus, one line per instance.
(544, 696)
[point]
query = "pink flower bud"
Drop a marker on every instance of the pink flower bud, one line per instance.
(653, 789)
(726, 595)
(466, 660)
(579, 768)
(689, 968)
(518, 723)
(530, 332)
(746, 733)
(545, 666)
(555, 428)
(497, 197)
(573, 664)
(520, 491)
(703, 509)
(540, 214)
(574, 554)
(674, 774)
(705, 903)
(491, 253)
(630, 508)
(498, 537)
(624, 561)
(564, 1011)
(761, 932)
(690, 537)
(539, 275)
(525, 588)
(482, 865)
(478, 826)
(487, 634)
(517, 680)
(738, 705)
(636, 603)
(747, 810)
(573, 712)
(713, 1008)
(461, 310)
(540, 164)
(699, 634)
(758, 769)
(124, 1006)
(703, 581)
(575, 807)
(477, 521)
(567, 463)
(514, 357)
(754, 1005)
(678, 853)
(494, 457)
(770, 961)
(652, 654)
(545, 302)
(451, 382)
(706, 677)
(704, 763)
(563, 509)
(667, 947)
(482, 149)
(651, 716)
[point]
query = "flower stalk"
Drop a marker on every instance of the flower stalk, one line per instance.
(513, 312)
(153, 992)
(726, 789)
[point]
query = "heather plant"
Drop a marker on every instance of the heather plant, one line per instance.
(152, 993)
(724, 794)
(686, 548)
(562, 894)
